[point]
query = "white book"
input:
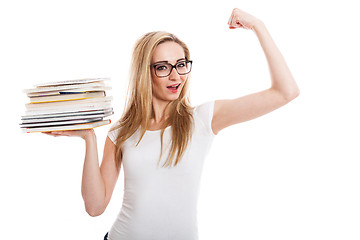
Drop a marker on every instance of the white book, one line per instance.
(68, 82)
(58, 123)
(66, 114)
(67, 127)
(53, 110)
(63, 87)
(75, 90)
(80, 102)
(58, 119)
(67, 97)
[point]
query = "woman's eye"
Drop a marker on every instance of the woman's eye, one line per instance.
(181, 65)
(161, 67)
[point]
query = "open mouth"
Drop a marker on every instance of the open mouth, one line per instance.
(174, 87)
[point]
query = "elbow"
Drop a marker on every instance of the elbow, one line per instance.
(94, 214)
(94, 211)
(291, 95)
(288, 92)
(94, 205)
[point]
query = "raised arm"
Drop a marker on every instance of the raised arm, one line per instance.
(283, 86)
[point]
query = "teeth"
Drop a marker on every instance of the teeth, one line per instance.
(174, 86)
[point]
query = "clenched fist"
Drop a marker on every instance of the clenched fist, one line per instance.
(241, 19)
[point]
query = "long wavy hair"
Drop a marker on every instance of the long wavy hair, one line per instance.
(139, 110)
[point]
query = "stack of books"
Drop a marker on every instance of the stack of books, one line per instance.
(67, 105)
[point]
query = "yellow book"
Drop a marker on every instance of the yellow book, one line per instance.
(67, 97)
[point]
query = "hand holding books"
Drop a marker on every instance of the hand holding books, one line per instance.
(67, 105)
(84, 134)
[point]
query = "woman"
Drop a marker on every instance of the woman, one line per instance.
(161, 141)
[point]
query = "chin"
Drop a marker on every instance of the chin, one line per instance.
(168, 97)
(172, 99)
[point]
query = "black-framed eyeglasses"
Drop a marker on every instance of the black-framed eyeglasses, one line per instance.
(164, 69)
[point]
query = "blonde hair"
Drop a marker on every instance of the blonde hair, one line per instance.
(138, 108)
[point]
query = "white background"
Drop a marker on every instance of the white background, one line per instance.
(292, 174)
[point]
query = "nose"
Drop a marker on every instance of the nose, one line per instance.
(174, 75)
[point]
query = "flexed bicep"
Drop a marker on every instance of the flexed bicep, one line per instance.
(242, 109)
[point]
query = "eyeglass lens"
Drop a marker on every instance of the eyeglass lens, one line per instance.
(164, 69)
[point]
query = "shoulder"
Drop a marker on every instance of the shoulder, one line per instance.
(114, 131)
(205, 109)
(203, 114)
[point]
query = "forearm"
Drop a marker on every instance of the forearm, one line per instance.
(93, 188)
(281, 77)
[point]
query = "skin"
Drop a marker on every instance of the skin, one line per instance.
(169, 52)
(283, 86)
(98, 182)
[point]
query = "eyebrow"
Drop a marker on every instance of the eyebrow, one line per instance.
(181, 59)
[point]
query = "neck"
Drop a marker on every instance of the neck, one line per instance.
(159, 114)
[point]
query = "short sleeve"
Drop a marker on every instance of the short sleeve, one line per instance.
(204, 113)
(113, 134)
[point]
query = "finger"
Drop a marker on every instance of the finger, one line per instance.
(236, 21)
(240, 25)
(230, 19)
(232, 23)
(54, 133)
(47, 133)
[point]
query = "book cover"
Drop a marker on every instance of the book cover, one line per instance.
(67, 109)
(63, 87)
(71, 82)
(75, 90)
(79, 103)
(59, 123)
(66, 96)
(66, 114)
(67, 127)
(65, 118)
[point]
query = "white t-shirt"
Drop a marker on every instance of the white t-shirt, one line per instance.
(161, 203)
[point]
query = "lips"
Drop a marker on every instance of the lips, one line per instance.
(174, 88)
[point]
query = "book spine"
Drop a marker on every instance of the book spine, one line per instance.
(69, 127)
(65, 87)
(39, 100)
(68, 103)
(53, 110)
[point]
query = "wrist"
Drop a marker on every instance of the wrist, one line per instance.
(89, 135)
